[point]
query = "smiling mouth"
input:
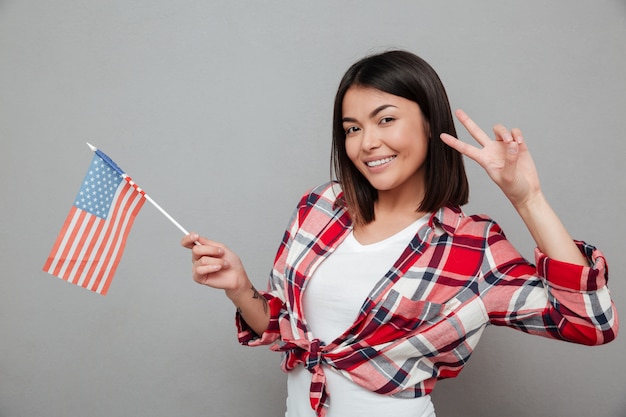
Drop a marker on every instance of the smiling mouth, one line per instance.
(380, 162)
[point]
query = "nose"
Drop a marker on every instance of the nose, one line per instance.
(371, 140)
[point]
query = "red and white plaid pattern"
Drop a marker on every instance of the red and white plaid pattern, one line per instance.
(424, 318)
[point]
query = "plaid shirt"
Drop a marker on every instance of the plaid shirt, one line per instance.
(423, 319)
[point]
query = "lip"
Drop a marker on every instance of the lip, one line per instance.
(384, 162)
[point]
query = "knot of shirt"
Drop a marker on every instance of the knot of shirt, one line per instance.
(310, 353)
(313, 356)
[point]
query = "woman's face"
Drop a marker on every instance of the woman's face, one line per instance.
(386, 139)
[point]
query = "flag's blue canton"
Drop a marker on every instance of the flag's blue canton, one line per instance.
(98, 188)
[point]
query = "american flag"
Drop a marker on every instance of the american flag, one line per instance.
(92, 239)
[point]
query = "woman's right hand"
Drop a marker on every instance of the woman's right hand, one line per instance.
(215, 265)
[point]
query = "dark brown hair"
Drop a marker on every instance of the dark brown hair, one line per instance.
(405, 75)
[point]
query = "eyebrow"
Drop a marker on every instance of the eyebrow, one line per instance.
(372, 114)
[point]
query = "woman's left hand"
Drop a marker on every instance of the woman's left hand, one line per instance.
(506, 159)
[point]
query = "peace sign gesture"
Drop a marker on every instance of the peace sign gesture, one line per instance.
(506, 159)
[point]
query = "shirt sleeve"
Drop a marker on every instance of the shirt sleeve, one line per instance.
(247, 337)
(552, 299)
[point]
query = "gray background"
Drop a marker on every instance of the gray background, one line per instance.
(221, 111)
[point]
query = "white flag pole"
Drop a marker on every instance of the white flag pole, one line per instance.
(165, 213)
(158, 207)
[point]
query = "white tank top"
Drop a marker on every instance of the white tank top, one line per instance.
(332, 300)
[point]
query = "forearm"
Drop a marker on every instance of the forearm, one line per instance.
(549, 233)
(252, 307)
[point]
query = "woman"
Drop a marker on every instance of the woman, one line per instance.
(382, 285)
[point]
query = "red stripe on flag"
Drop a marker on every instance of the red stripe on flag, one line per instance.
(74, 245)
(117, 221)
(89, 248)
(82, 248)
(100, 257)
(55, 248)
(88, 257)
(135, 186)
(101, 244)
(138, 200)
(72, 229)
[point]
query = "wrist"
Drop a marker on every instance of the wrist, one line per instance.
(533, 204)
(252, 307)
(242, 290)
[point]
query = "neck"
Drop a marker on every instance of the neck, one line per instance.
(394, 203)
(391, 216)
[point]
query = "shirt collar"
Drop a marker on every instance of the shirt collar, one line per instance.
(447, 218)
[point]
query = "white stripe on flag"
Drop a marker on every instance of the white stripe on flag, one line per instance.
(64, 242)
(120, 242)
(121, 231)
(72, 247)
(85, 246)
(93, 257)
(110, 227)
(90, 247)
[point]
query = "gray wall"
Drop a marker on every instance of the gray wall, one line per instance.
(221, 112)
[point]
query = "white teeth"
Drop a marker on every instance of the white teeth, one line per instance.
(379, 162)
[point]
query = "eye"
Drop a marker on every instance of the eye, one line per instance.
(386, 120)
(351, 130)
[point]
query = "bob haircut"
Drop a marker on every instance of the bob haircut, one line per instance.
(405, 75)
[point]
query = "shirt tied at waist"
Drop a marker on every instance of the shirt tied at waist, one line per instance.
(310, 353)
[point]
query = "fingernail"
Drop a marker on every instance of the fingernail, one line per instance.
(508, 138)
(513, 148)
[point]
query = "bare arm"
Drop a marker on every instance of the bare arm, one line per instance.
(549, 233)
(509, 164)
(253, 308)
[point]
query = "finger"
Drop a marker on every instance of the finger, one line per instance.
(502, 133)
(202, 272)
(513, 139)
(519, 138)
(206, 250)
(193, 239)
(517, 135)
(460, 146)
(207, 265)
(189, 240)
(510, 164)
(477, 133)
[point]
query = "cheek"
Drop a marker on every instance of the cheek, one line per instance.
(352, 150)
